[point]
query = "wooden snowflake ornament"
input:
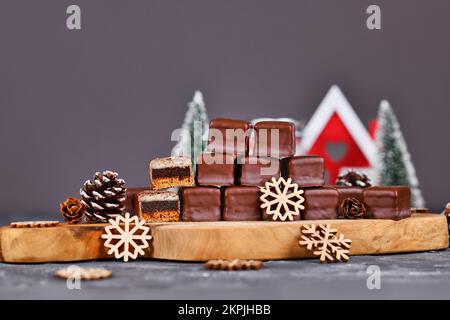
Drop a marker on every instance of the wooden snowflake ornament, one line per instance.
(282, 199)
(322, 240)
(126, 237)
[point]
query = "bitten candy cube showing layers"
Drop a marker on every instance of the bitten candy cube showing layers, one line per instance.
(229, 136)
(320, 204)
(215, 170)
(256, 171)
(201, 204)
(241, 203)
(158, 206)
(388, 202)
(274, 139)
(171, 172)
(306, 171)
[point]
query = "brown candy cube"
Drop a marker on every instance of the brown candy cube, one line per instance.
(256, 171)
(241, 203)
(320, 204)
(215, 170)
(201, 204)
(274, 139)
(387, 202)
(229, 136)
(306, 171)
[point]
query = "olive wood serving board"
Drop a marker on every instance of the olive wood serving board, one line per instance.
(201, 241)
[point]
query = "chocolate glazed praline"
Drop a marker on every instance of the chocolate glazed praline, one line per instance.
(241, 203)
(201, 204)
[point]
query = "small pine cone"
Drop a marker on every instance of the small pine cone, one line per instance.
(352, 208)
(72, 210)
(103, 196)
(354, 179)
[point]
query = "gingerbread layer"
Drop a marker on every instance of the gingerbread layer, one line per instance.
(172, 182)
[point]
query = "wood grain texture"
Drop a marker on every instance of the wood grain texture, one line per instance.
(260, 240)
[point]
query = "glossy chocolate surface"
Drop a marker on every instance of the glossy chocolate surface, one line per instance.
(219, 173)
(241, 203)
(201, 204)
(237, 133)
(320, 203)
(265, 147)
(306, 171)
(386, 202)
(255, 171)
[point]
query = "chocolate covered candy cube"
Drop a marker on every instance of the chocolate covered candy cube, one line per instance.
(229, 136)
(215, 170)
(158, 206)
(241, 203)
(201, 204)
(320, 203)
(306, 171)
(274, 139)
(256, 171)
(387, 202)
(171, 172)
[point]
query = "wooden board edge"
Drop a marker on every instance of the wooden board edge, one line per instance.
(95, 231)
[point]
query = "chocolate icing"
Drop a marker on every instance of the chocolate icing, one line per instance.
(224, 126)
(263, 135)
(215, 174)
(306, 171)
(387, 202)
(201, 204)
(320, 203)
(241, 203)
(251, 169)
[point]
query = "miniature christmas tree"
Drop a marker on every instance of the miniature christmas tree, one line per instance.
(192, 139)
(395, 165)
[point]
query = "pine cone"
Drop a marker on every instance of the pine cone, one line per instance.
(354, 179)
(447, 209)
(72, 210)
(447, 213)
(103, 197)
(352, 208)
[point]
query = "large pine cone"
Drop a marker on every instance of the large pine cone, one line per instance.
(354, 179)
(103, 197)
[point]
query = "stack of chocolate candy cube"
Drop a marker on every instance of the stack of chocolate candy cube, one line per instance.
(231, 171)
(229, 174)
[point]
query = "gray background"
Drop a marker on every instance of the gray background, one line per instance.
(108, 96)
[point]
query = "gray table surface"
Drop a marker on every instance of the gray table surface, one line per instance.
(409, 276)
